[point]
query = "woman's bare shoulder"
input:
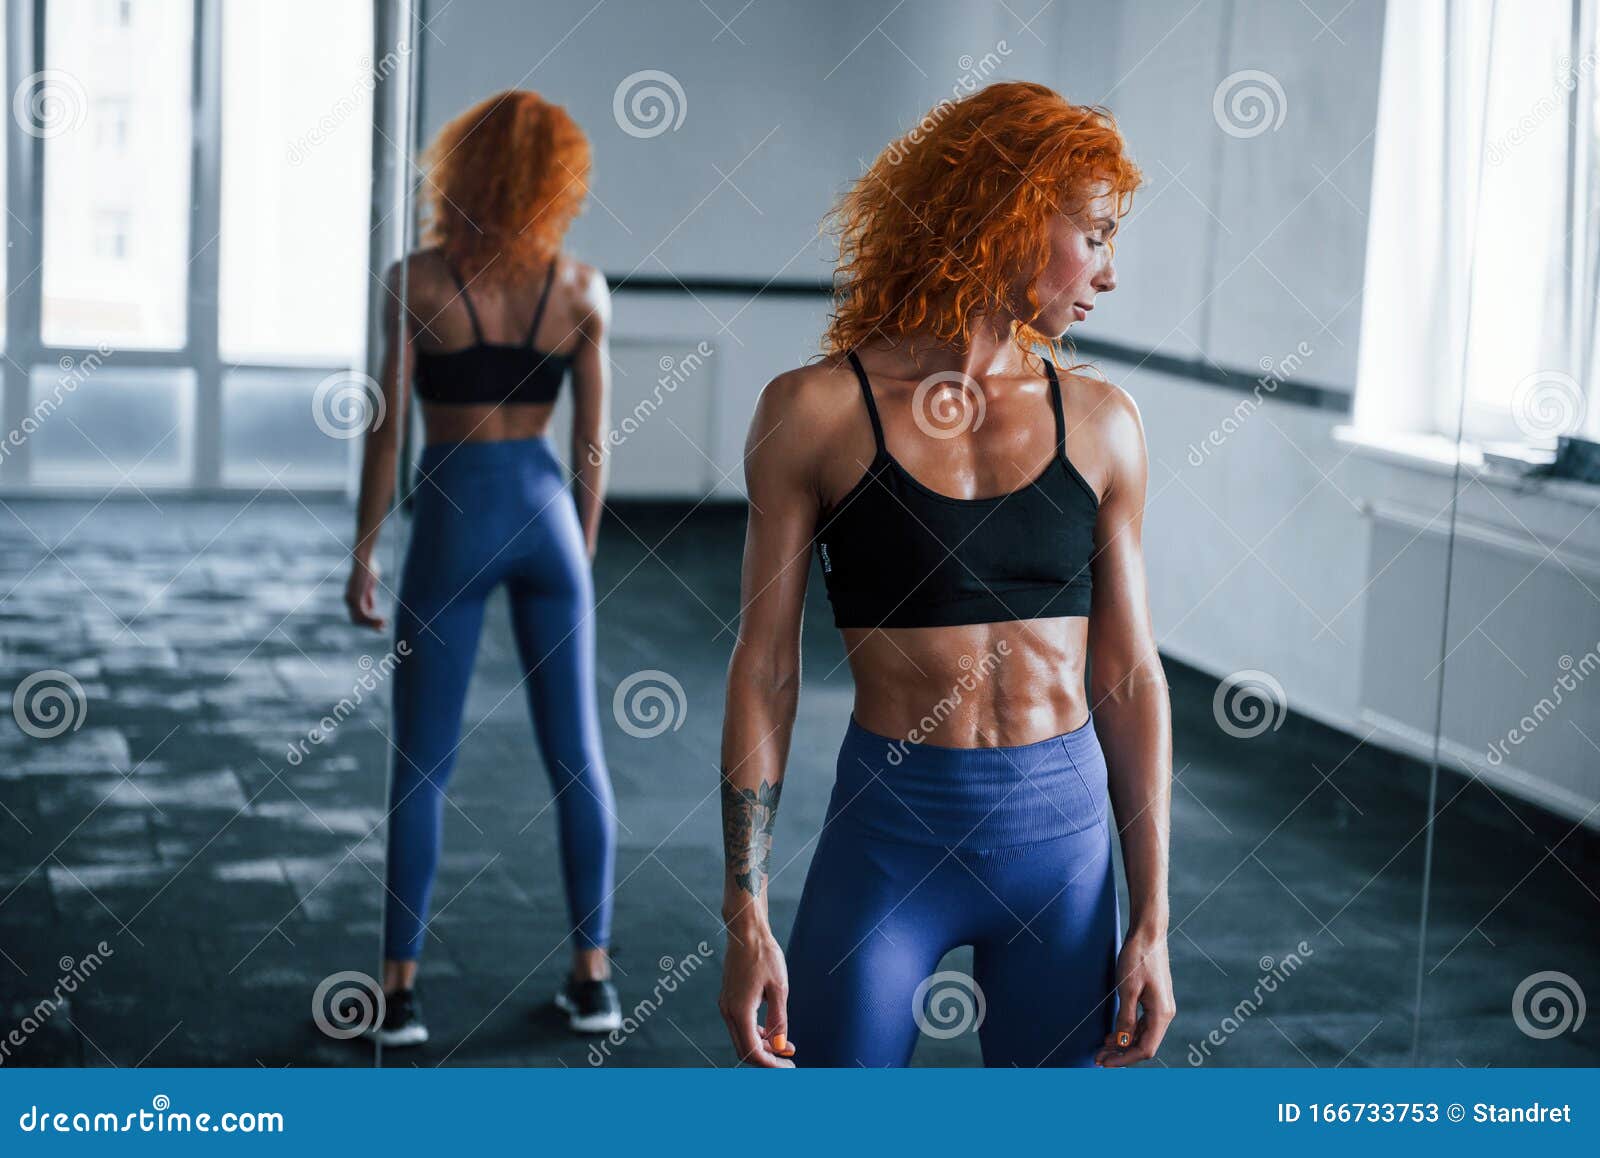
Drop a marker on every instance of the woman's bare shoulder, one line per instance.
(813, 393)
(421, 282)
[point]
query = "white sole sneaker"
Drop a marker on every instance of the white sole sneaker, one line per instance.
(593, 1023)
(409, 1035)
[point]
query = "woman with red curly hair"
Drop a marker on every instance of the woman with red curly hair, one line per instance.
(495, 318)
(976, 514)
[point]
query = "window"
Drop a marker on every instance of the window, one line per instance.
(102, 424)
(141, 302)
(197, 258)
(5, 215)
(1483, 253)
(296, 127)
(269, 431)
(111, 125)
(116, 13)
(111, 234)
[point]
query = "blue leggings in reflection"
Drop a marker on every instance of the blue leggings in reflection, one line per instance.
(927, 848)
(486, 514)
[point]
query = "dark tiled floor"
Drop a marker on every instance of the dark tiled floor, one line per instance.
(227, 882)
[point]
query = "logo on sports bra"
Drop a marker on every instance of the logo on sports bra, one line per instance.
(827, 564)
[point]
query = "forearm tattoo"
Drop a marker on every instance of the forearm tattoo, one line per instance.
(747, 816)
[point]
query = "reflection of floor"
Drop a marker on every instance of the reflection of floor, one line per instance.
(226, 882)
(1303, 834)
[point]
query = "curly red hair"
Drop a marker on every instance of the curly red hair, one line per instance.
(939, 229)
(505, 180)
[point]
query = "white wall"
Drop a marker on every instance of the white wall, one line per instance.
(1238, 247)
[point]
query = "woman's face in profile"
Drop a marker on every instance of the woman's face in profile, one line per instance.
(1079, 269)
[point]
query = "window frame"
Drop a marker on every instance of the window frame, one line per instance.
(25, 54)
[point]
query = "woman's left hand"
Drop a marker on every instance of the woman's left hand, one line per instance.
(1145, 980)
(361, 595)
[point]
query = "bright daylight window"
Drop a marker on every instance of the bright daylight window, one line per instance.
(1483, 256)
(296, 124)
(204, 247)
(116, 191)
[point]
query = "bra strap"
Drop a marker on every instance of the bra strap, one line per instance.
(872, 407)
(538, 313)
(1055, 404)
(472, 313)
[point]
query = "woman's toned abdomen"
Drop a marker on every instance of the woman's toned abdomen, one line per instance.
(981, 686)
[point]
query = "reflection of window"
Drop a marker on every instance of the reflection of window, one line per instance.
(137, 148)
(111, 124)
(116, 13)
(5, 215)
(297, 147)
(111, 235)
(1483, 250)
(275, 430)
(100, 423)
(147, 173)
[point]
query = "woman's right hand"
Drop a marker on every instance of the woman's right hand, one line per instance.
(361, 596)
(753, 971)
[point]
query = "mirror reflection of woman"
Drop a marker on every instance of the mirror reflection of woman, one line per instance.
(976, 513)
(497, 318)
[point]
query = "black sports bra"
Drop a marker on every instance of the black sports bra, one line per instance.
(492, 372)
(896, 554)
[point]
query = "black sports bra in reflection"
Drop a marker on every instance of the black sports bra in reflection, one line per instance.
(492, 372)
(896, 554)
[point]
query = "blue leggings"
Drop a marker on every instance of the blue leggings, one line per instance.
(488, 513)
(927, 848)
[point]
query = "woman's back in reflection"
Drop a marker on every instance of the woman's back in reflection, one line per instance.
(490, 356)
(485, 325)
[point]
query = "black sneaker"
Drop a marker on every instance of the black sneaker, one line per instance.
(590, 1006)
(402, 1020)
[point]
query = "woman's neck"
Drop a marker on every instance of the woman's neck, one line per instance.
(991, 351)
